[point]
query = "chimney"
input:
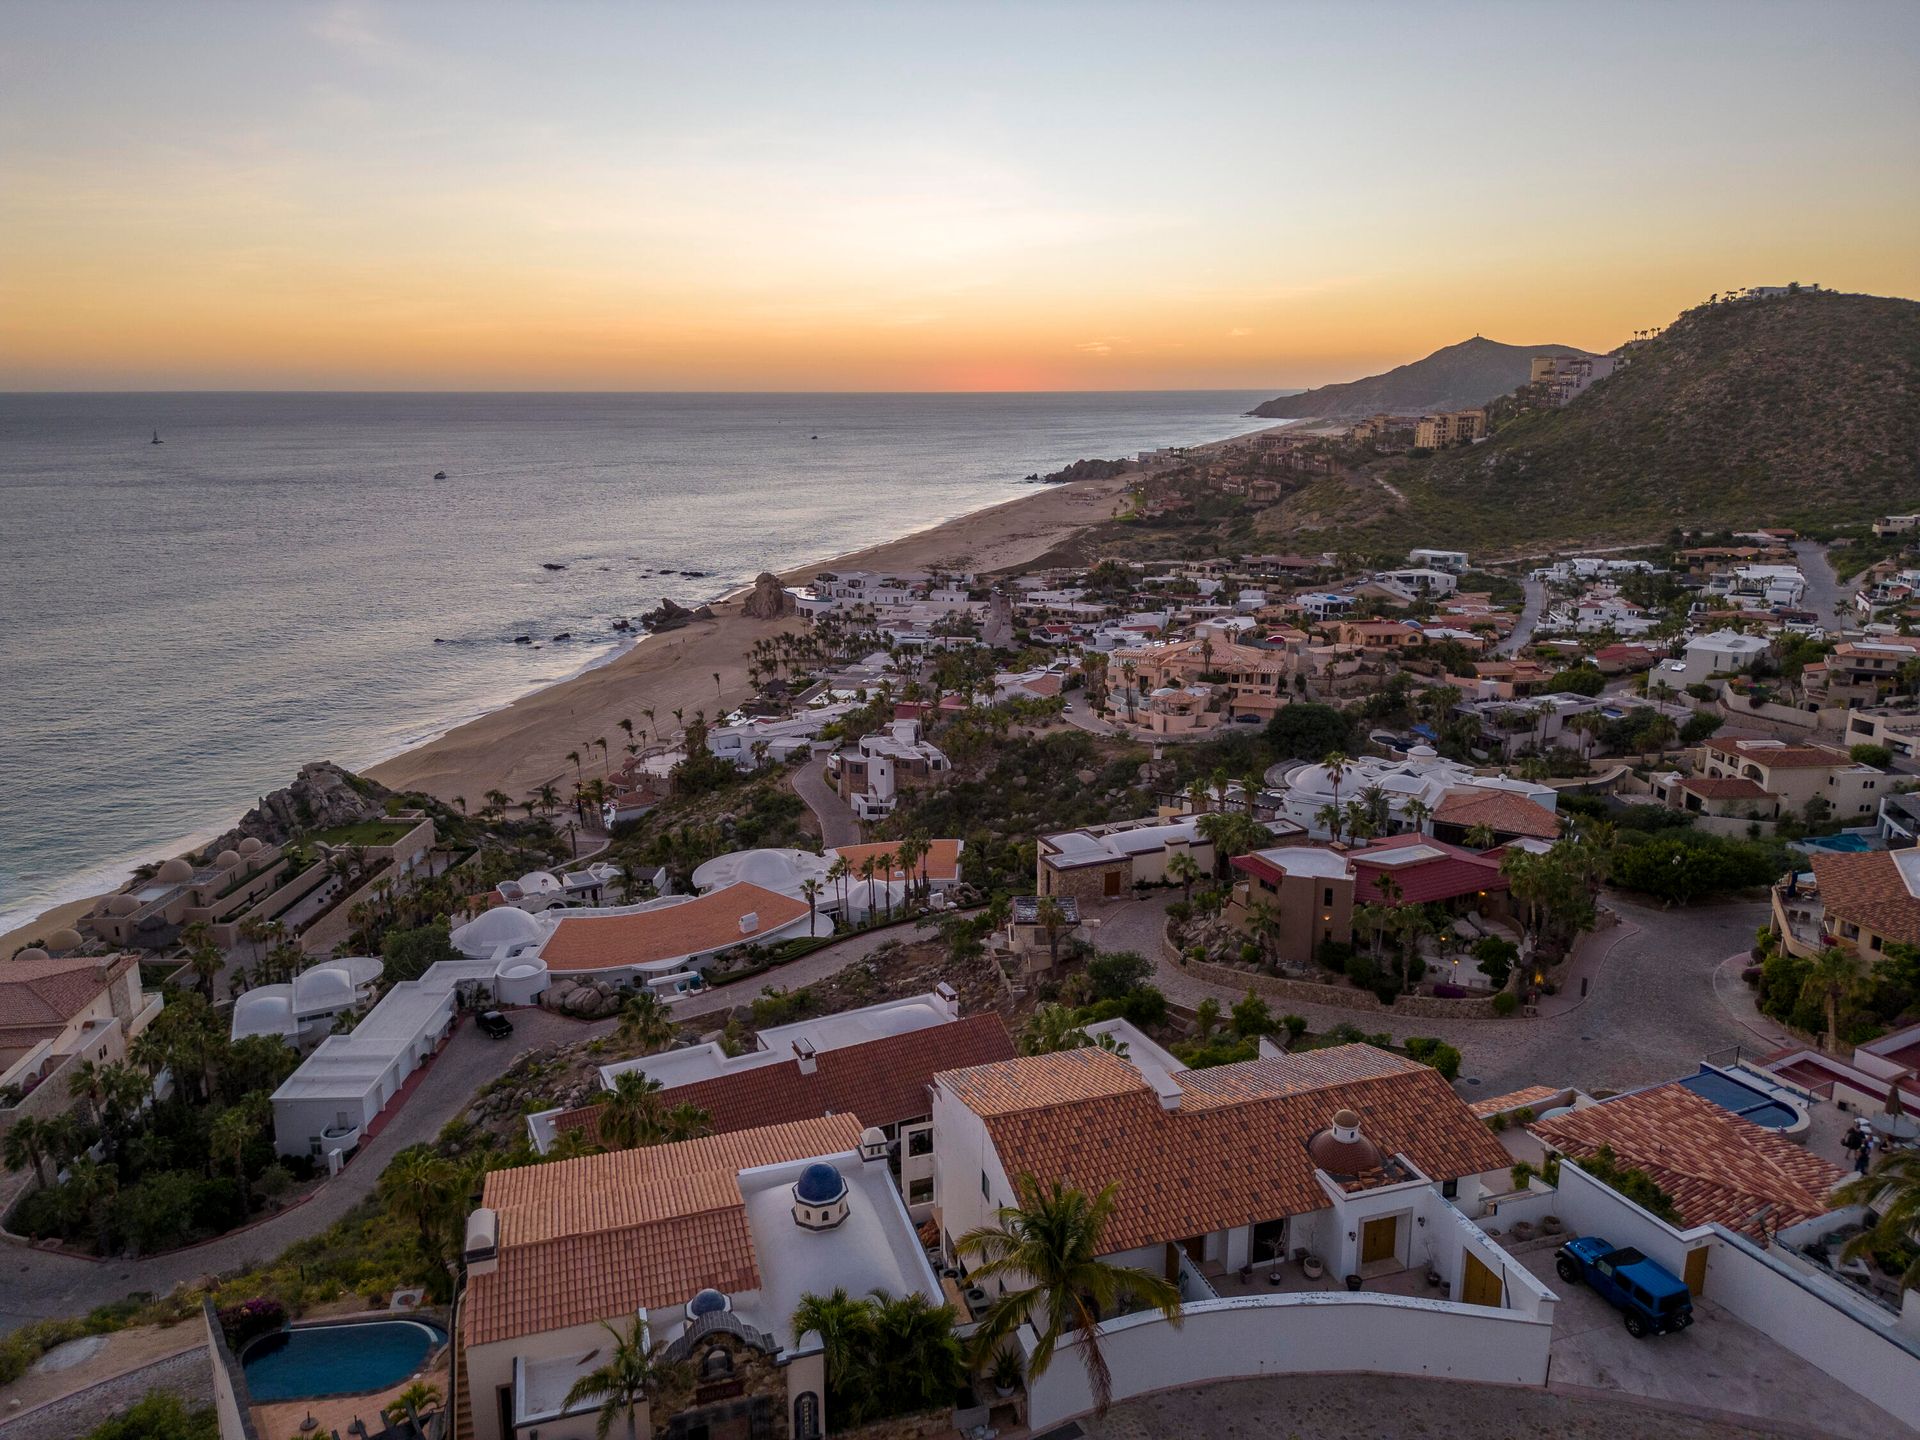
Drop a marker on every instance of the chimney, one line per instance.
(750, 922)
(948, 998)
(873, 1144)
(481, 1253)
(804, 1053)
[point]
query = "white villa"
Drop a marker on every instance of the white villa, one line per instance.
(302, 1011)
(1722, 652)
(1423, 776)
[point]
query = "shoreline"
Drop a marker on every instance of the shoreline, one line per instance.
(521, 744)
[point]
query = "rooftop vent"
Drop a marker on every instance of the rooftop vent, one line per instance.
(482, 1249)
(708, 1302)
(806, 1055)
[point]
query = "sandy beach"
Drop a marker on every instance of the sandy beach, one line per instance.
(524, 745)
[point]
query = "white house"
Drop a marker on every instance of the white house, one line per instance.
(1720, 652)
(1454, 561)
(302, 1011)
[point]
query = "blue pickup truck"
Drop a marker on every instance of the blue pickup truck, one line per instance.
(1653, 1299)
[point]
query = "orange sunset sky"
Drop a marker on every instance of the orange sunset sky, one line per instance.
(834, 197)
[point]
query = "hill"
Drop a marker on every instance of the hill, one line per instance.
(1799, 410)
(1457, 377)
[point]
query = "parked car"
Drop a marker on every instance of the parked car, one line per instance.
(1654, 1300)
(492, 1022)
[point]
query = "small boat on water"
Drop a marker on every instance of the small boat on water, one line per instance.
(156, 439)
(439, 474)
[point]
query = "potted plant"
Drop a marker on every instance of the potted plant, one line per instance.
(1549, 1224)
(1311, 1267)
(1005, 1373)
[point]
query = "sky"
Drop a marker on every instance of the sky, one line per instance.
(821, 196)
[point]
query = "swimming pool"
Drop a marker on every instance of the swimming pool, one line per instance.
(1746, 1101)
(1847, 844)
(314, 1360)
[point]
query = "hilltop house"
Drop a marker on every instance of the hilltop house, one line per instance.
(58, 1012)
(1796, 774)
(870, 774)
(1105, 862)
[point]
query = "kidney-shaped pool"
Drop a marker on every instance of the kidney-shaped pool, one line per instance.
(314, 1360)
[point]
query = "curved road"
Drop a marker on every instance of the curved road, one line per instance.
(837, 823)
(1529, 617)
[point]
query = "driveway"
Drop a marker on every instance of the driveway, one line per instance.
(837, 824)
(1529, 617)
(38, 1284)
(1652, 1012)
(1825, 596)
(1719, 1361)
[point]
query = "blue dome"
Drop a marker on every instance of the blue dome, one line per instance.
(707, 1302)
(819, 1185)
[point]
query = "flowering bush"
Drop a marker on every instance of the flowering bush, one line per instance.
(251, 1319)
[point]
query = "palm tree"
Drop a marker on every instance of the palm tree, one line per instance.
(919, 1354)
(1051, 1028)
(631, 1115)
(1051, 916)
(1336, 765)
(1481, 836)
(410, 1402)
(1892, 1192)
(1049, 1247)
(685, 1121)
(420, 1186)
(1836, 975)
(845, 1328)
(26, 1144)
(810, 889)
(633, 1372)
(1183, 870)
(88, 1083)
(1416, 812)
(232, 1131)
(645, 1022)
(1333, 817)
(578, 772)
(837, 875)
(1264, 924)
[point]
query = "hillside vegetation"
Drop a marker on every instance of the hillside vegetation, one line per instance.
(1800, 410)
(1458, 377)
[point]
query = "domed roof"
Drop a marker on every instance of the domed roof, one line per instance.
(31, 953)
(708, 1302)
(266, 1011)
(496, 929)
(252, 845)
(227, 859)
(819, 1184)
(64, 939)
(522, 970)
(122, 904)
(1341, 1150)
(322, 988)
(174, 871)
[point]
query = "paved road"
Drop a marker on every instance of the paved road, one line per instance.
(1825, 596)
(1654, 1008)
(1529, 617)
(35, 1284)
(837, 824)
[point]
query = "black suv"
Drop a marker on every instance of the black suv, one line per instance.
(493, 1023)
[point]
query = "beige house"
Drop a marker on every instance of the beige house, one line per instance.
(1797, 773)
(1449, 427)
(711, 1244)
(55, 1013)
(1866, 900)
(1308, 891)
(1105, 862)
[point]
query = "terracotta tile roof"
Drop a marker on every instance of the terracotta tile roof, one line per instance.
(41, 996)
(1725, 787)
(1531, 1095)
(942, 861)
(883, 1082)
(1719, 1168)
(710, 922)
(1501, 810)
(1234, 1152)
(1775, 756)
(1867, 890)
(1452, 873)
(582, 1240)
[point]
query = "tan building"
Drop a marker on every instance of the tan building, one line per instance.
(57, 1012)
(1309, 895)
(1795, 774)
(1449, 427)
(1250, 679)
(1864, 900)
(710, 1244)
(1105, 862)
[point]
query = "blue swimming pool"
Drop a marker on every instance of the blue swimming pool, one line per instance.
(1743, 1100)
(315, 1360)
(1848, 844)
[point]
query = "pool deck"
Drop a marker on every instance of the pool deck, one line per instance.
(285, 1417)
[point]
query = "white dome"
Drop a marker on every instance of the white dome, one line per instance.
(33, 954)
(540, 882)
(497, 929)
(227, 859)
(252, 845)
(266, 1011)
(64, 939)
(325, 987)
(1422, 752)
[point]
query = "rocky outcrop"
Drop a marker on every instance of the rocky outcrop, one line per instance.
(586, 999)
(997, 630)
(1087, 470)
(769, 600)
(321, 796)
(671, 616)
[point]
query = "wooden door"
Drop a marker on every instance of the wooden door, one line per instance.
(1696, 1276)
(1111, 880)
(1377, 1239)
(1479, 1284)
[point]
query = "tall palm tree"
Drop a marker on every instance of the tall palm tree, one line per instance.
(1892, 1192)
(1051, 916)
(845, 1328)
(1336, 765)
(1836, 975)
(26, 1145)
(810, 889)
(646, 1022)
(631, 1116)
(1049, 1246)
(422, 1187)
(1184, 870)
(633, 1372)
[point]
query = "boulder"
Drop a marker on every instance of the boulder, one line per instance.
(769, 600)
(321, 796)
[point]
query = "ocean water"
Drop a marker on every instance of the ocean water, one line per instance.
(183, 625)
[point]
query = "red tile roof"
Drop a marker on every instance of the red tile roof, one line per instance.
(883, 1082)
(39, 997)
(1452, 873)
(1866, 889)
(1234, 1151)
(1502, 811)
(1719, 1168)
(709, 922)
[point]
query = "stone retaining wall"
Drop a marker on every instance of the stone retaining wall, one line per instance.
(188, 1375)
(1344, 997)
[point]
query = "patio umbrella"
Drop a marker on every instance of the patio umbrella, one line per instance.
(1896, 1124)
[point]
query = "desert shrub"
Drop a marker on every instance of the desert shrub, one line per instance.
(1505, 1003)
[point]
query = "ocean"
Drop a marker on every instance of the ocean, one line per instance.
(183, 625)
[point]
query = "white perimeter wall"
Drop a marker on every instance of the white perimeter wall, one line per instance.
(1326, 1333)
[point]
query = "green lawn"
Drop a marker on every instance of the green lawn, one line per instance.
(367, 832)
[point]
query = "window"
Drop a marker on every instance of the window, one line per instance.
(920, 1192)
(920, 1142)
(1450, 1188)
(1327, 897)
(984, 1190)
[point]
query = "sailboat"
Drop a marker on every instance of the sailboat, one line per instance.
(156, 439)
